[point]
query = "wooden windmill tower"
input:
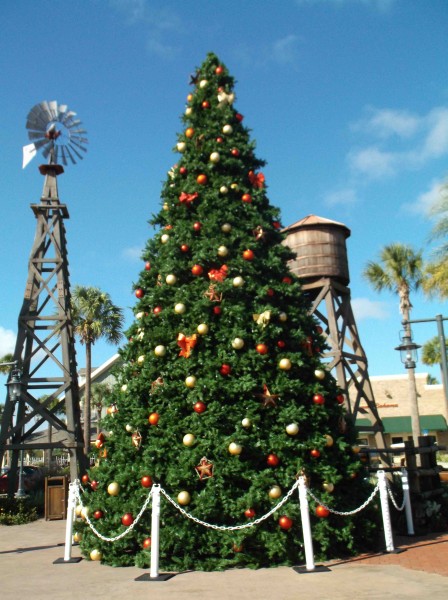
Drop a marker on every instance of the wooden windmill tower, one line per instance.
(44, 354)
(321, 265)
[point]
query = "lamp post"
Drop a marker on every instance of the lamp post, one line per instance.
(14, 386)
(408, 354)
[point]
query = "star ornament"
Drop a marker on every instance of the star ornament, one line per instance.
(204, 469)
(259, 233)
(156, 384)
(212, 294)
(268, 399)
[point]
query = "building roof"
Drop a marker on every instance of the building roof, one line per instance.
(403, 424)
(315, 221)
(106, 366)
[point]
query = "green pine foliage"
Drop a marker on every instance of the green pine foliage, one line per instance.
(211, 224)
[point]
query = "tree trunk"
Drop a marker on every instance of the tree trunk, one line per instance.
(87, 411)
(413, 397)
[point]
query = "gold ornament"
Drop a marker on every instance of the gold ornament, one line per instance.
(183, 498)
(238, 281)
(319, 374)
(204, 468)
(129, 428)
(327, 486)
(84, 512)
(78, 510)
(141, 359)
(96, 555)
(160, 350)
(292, 429)
(170, 279)
(77, 537)
(202, 329)
(275, 492)
(235, 449)
(329, 441)
(214, 157)
(164, 238)
(180, 308)
(226, 227)
(190, 381)
(285, 364)
(283, 317)
(238, 343)
(181, 146)
(113, 489)
(223, 251)
(188, 439)
(246, 422)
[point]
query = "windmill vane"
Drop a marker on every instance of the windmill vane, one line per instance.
(55, 130)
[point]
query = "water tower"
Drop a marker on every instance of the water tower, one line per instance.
(322, 267)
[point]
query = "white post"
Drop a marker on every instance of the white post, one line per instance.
(407, 501)
(155, 529)
(70, 518)
(306, 527)
(385, 511)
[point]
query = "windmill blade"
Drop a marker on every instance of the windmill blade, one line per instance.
(77, 131)
(62, 109)
(64, 159)
(45, 107)
(48, 148)
(38, 115)
(79, 139)
(68, 117)
(78, 145)
(53, 106)
(55, 154)
(36, 135)
(69, 154)
(80, 156)
(29, 152)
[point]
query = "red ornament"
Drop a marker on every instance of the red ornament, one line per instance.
(85, 479)
(285, 522)
(246, 198)
(201, 179)
(127, 519)
(205, 104)
(185, 248)
(239, 117)
(157, 310)
(315, 453)
(287, 280)
(217, 310)
(197, 270)
(249, 513)
(319, 329)
(146, 543)
(270, 292)
(94, 485)
(225, 369)
(146, 481)
(197, 226)
(281, 344)
(322, 512)
(153, 418)
(318, 399)
(183, 170)
(199, 407)
(276, 225)
(235, 152)
(219, 70)
(248, 254)
(273, 460)
(147, 266)
(340, 398)
(261, 348)
(98, 514)
(219, 140)
(139, 293)
(237, 548)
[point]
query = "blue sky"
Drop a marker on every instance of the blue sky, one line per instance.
(347, 100)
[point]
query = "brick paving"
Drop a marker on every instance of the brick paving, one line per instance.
(427, 553)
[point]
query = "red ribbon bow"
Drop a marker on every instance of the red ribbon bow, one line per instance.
(256, 179)
(188, 198)
(186, 344)
(218, 274)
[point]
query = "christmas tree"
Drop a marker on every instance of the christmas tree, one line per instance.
(223, 398)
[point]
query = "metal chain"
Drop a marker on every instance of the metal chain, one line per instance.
(350, 512)
(231, 527)
(391, 496)
(121, 535)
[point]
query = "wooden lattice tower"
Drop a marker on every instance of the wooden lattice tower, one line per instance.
(45, 349)
(322, 266)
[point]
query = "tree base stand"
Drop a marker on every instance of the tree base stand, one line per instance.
(317, 569)
(160, 577)
(61, 561)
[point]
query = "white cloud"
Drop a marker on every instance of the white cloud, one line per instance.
(7, 341)
(363, 308)
(133, 253)
(387, 122)
(343, 197)
(380, 5)
(436, 142)
(425, 201)
(285, 49)
(373, 162)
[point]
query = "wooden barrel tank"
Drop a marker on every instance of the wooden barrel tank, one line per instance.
(320, 249)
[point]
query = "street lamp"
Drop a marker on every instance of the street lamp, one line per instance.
(408, 350)
(408, 354)
(14, 386)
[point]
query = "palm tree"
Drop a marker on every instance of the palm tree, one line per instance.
(94, 316)
(5, 369)
(400, 271)
(99, 394)
(436, 281)
(431, 354)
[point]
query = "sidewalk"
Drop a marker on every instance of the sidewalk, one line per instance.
(27, 553)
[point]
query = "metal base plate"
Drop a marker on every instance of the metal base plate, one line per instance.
(317, 569)
(61, 561)
(160, 577)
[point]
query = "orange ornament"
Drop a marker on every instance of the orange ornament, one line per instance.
(189, 133)
(201, 179)
(153, 418)
(248, 254)
(197, 270)
(261, 348)
(322, 512)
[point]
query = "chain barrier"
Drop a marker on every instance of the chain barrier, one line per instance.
(392, 498)
(121, 535)
(232, 527)
(350, 512)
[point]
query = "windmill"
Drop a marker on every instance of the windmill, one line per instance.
(44, 356)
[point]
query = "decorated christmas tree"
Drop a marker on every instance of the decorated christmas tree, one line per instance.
(223, 398)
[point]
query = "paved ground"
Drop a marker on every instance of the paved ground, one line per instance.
(27, 553)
